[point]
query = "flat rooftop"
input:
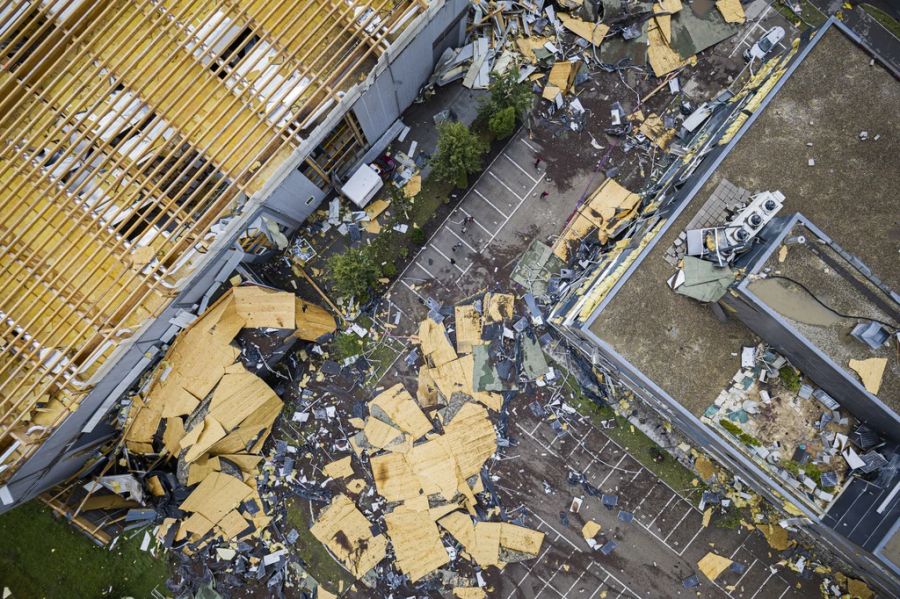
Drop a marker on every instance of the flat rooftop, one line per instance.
(832, 96)
(803, 275)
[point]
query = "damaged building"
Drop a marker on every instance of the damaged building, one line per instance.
(150, 148)
(749, 295)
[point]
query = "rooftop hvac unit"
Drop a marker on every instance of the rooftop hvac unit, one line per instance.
(750, 221)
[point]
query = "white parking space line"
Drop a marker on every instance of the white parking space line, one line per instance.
(693, 538)
(765, 582)
(408, 286)
(463, 241)
(613, 469)
(524, 141)
(475, 220)
(452, 262)
(427, 272)
(662, 510)
(558, 534)
(678, 524)
(491, 204)
(508, 188)
(519, 166)
(747, 571)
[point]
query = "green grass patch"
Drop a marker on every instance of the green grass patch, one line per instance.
(381, 358)
(639, 445)
(886, 20)
(317, 561)
(42, 556)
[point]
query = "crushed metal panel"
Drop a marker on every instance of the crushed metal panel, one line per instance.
(692, 34)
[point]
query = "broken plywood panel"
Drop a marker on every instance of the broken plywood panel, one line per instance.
(264, 308)
(498, 307)
(468, 328)
(713, 565)
(312, 321)
(870, 372)
(458, 376)
(417, 543)
(215, 496)
(435, 345)
(346, 532)
(591, 32)
(562, 76)
(398, 405)
(341, 468)
(732, 11)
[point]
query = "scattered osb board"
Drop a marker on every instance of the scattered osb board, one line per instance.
(341, 468)
(426, 391)
(591, 32)
(417, 543)
(562, 75)
(484, 540)
(712, 565)
(550, 93)
(498, 306)
(413, 187)
(704, 468)
(656, 131)
(435, 345)
(376, 207)
(211, 431)
(776, 536)
(520, 540)
(662, 58)
(400, 407)
(458, 376)
(312, 320)
(605, 211)
(707, 517)
(468, 328)
(858, 589)
(237, 396)
(215, 496)
(731, 10)
(870, 372)
(394, 478)
(264, 308)
(381, 434)
(346, 532)
(469, 593)
(590, 529)
(527, 46)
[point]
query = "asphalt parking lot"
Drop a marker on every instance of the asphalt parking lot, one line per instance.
(492, 224)
(655, 552)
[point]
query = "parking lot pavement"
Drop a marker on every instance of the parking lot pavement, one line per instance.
(656, 551)
(487, 224)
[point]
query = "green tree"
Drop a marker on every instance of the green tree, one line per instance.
(353, 273)
(503, 122)
(459, 152)
(507, 92)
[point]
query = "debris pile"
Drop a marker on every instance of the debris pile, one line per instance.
(195, 430)
(414, 484)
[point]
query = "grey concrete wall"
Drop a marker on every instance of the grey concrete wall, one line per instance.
(824, 373)
(396, 88)
(296, 198)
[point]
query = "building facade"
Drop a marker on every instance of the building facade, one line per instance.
(142, 144)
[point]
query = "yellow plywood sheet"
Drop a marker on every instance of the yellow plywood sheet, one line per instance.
(458, 376)
(341, 468)
(413, 187)
(232, 524)
(381, 434)
(211, 432)
(461, 527)
(215, 496)
(498, 306)
(237, 396)
(468, 328)
(562, 76)
(731, 10)
(712, 565)
(550, 93)
(654, 129)
(776, 536)
(469, 593)
(527, 46)
(590, 529)
(426, 391)
(346, 532)
(417, 543)
(375, 208)
(313, 321)
(591, 32)
(394, 478)
(662, 58)
(435, 345)
(399, 406)
(870, 372)
(264, 308)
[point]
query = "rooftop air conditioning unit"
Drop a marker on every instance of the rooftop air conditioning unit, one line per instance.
(750, 221)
